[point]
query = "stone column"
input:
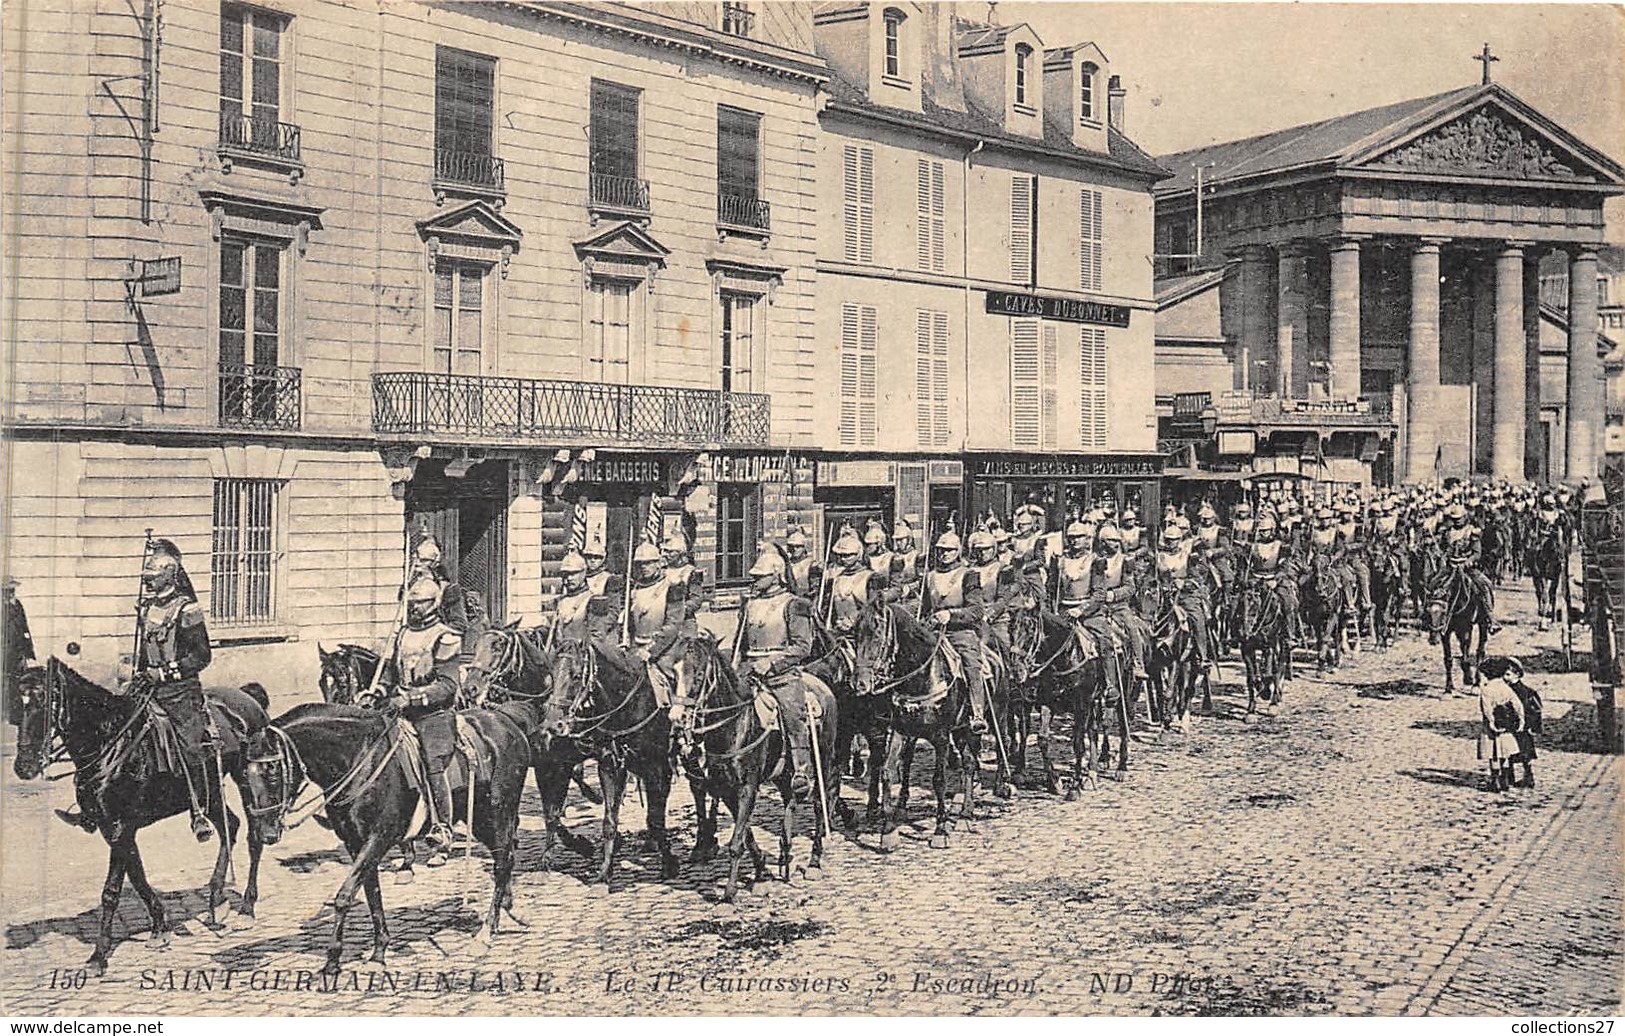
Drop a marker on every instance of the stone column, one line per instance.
(1583, 424)
(1252, 295)
(1506, 442)
(1422, 359)
(1344, 373)
(1534, 452)
(1291, 318)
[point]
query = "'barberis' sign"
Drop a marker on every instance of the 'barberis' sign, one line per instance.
(1054, 307)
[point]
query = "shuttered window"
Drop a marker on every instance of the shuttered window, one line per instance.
(738, 134)
(1049, 412)
(1026, 376)
(929, 208)
(464, 99)
(931, 377)
(609, 334)
(1090, 245)
(858, 194)
(858, 339)
(244, 555)
(1021, 228)
(613, 133)
(1092, 380)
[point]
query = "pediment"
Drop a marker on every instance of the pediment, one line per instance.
(624, 242)
(474, 222)
(1490, 139)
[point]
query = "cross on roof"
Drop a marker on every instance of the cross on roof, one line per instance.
(1485, 58)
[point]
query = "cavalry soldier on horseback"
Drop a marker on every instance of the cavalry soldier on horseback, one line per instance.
(775, 640)
(1073, 568)
(877, 553)
(952, 596)
(422, 672)
(174, 649)
(1112, 592)
(1135, 549)
(570, 615)
(1027, 545)
(1241, 527)
(682, 574)
(805, 572)
(907, 566)
(852, 585)
(1180, 567)
(657, 618)
(1463, 554)
(999, 586)
(459, 609)
(598, 576)
(1269, 563)
(1351, 537)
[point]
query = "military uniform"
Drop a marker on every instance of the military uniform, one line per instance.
(1463, 551)
(422, 668)
(907, 569)
(958, 591)
(1113, 588)
(1186, 571)
(775, 641)
(804, 576)
(660, 618)
(1351, 538)
(174, 650)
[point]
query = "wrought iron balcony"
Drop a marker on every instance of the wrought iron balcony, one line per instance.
(1366, 412)
(743, 212)
(468, 169)
(470, 406)
(619, 194)
(737, 19)
(259, 137)
(260, 397)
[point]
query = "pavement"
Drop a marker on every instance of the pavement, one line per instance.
(1338, 859)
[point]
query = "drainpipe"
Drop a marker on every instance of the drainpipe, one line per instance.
(964, 270)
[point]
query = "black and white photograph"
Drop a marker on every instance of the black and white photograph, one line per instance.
(853, 509)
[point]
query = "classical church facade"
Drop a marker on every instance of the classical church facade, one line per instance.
(1362, 302)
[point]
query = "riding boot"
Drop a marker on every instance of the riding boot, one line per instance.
(82, 819)
(792, 710)
(440, 834)
(1528, 777)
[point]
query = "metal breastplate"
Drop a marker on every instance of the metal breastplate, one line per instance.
(880, 562)
(850, 592)
(1348, 531)
(679, 576)
(414, 651)
(1323, 538)
(598, 582)
(1111, 573)
(1026, 547)
(572, 615)
(648, 612)
(801, 576)
(1209, 536)
(990, 573)
(1267, 556)
(1172, 564)
(160, 623)
(947, 588)
(1074, 573)
(767, 631)
(906, 566)
(1243, 527)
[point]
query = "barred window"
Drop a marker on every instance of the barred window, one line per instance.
(243, 561)
(464, 97)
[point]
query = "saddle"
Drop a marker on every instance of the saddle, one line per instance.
(222, 731)
(470, 762)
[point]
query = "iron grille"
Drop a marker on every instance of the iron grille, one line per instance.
(259, 136)
(260, 397)
(417, 402)
(736, 211)
(737, 19)
(242, 569)
(620, 192)
(468, 167)
(1191, 404)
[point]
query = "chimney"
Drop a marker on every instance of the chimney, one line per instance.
(1115, 97)
(940, 58)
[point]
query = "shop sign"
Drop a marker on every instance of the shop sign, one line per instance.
(607, 470)
(1054, 307)
(1069, 467)
(752, 467)
(1242, 442)
(856, 473)
(945, 471)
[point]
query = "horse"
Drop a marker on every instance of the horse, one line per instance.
(1426, 560)
(1069, 677)
(1325, 606)
(604, 707)
(515, 665)
(1388, 580)
(897, 655)
(1496, 546)
(1026, 637)
(371, 801)
(734, 754)
(1173, 666)
(1455, 609)
(346, 673)
(121, 781)
(1547, 554)
(860, 714)
(1259, 621)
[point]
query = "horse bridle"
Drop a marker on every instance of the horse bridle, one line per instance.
(57, 720)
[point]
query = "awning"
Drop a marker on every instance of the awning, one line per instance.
(1199, 475)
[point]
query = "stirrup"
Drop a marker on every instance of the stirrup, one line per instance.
(202, 830)
(79, 820)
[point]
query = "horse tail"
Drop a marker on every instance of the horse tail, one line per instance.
(257, 691)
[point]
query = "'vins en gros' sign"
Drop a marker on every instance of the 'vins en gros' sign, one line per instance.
(1054, 307)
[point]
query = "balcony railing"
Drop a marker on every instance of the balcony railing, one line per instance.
(418, 403)
(620, 193)
(737, 19)
(734, 210)
(265, 137)
(260, 397)
(468, 169)
(1366, 412)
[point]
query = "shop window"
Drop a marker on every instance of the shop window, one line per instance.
(739, 529)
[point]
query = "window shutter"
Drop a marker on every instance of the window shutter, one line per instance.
(1092, 380)
(1089, 241)
(1051, 408)
(867, 336)
(1021, 229)
(858, 189)
(849, 374)
(922, 376)
(929, 210)
(1025, 402)
(939, 378)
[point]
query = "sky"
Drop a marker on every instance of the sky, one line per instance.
(1202, 73)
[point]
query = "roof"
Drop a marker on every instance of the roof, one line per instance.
(1123, 154)
(1171, 290)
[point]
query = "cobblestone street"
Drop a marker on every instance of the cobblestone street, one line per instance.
(1337, 859)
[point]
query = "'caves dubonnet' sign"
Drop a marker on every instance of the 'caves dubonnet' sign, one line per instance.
(1054, 307)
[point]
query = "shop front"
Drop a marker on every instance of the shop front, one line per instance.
(1064, 486)
(926, 492)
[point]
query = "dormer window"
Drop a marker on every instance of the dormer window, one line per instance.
(1086, 94)
(894, 42)
(1024, 59)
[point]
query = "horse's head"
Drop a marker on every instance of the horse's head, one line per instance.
(272, 780)
(40, 719)
(1026, 632)
(875, 646)
(498, 657)
(575, 674)
(700, 673)
(346, 672)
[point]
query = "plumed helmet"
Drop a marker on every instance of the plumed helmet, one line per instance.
(1109, 534)
(796, 538)
(1001, 536)
(1172, 534)
(423, 591)
(1325, 514)
(874, 533)
(1266, 522)
(1129, 517)
(572, 565)
(646, 552)
(768, 563)
(1206, 510)
(1242, 510)
(948, 541)
(847, 544)
(1078, 528)
(902, 530)
(1456, 511)
(981, 539)
(675, 542)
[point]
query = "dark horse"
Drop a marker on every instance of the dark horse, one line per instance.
(515, 665)
(1259, 621)
(1455, 609)
(1389, 577)
(120, 781)
(346, 673)
(356, 757)
(1069, 677)
(1173, 665)
(1547, 554)
(1026, 637)
(734, 755)
(899, 656)
(1325, 607)
(604, 707)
